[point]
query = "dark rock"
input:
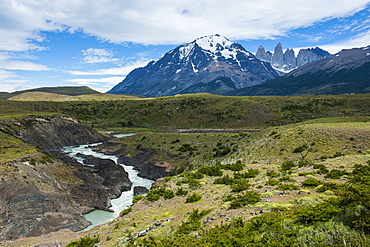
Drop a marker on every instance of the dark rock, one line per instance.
(140, 190)
(146, 169)
(54, 196)
(102, 182)
(51, 132)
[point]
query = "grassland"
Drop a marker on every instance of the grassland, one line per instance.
(308, 151)
(336, 144)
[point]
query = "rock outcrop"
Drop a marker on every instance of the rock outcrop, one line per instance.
(277, 60)
(262, 55)
(42, 193)
(287, 61)
(140, 190)
(146, 169)
(306, 56)
(50, 132)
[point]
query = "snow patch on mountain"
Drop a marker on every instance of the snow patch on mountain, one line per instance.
(213, 43)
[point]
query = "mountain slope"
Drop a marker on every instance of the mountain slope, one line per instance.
(204, 60)
(345, 72)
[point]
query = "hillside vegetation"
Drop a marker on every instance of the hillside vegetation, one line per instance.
(73, 91)
(243, 171)
(200, 110)
(303, 184)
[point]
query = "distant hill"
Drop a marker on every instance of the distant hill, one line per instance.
(343, 73)
(45, 96)
(71, 91)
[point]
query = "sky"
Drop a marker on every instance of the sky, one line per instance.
(91, 43)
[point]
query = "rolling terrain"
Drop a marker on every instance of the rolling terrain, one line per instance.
(240, 171)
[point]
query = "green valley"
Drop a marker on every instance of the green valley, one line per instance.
(237, 171)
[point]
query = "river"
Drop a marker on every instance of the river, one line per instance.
(98, 217)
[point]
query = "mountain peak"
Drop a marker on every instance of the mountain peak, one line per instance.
(207, 64)
(213, 43)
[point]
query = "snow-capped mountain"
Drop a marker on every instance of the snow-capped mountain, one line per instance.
(211, 64)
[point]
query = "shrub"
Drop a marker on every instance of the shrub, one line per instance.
(306, 201)
(240, 185)
(328, 186)
(272, 182)
(322, 168)
(288, 187)
(226, 179)
(193, 198)
(311, 182)
(286, 178)
(186, 147)
(137, 198)
(272, 174)
(251, 173)
(125, 211)
(335, 174)
(86, 241)
(248, 198)
(181, 192)
(304, 162)
(213, 171)
(155, 193)
(300, 149)
(193, 223)
(330, 233)
(237, 166)
(287, 165)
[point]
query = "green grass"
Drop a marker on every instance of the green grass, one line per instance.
(328, 131)
(12, 148)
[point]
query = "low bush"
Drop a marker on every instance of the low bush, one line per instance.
(288, 187)
(287, 165)
(181, 192)
(311, 182)
(193, 198)
(248, 198)
(213, 171)
(87, 241)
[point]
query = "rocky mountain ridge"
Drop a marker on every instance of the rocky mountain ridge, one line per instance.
(345, 72)
(204, 60)
(287, 61)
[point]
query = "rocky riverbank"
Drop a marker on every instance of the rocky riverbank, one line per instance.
(142, 161)
(45, 192)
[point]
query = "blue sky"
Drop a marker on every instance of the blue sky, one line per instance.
(97, 43)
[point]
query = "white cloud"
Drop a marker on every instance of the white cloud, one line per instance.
(21, 65)
(99, 84)
(93, 55)
(9, 82)
(360, 40)
(162, 21)
(124, 70)
(6, 74)
(95, 81)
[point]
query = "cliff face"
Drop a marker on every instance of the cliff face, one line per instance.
(44, 192)
(52, 132)
(287, 61)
